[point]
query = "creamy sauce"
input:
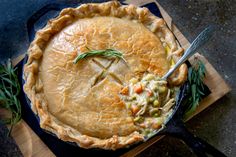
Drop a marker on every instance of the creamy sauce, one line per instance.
(150, 101)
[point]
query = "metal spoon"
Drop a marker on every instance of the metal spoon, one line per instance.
(201, 40)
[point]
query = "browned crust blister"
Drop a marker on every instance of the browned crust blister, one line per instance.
(34, 88)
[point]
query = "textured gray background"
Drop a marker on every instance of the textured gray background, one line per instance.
(217, 124)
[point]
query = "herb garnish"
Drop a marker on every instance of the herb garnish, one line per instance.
(196, 74)
(105, 53)
(9, 91)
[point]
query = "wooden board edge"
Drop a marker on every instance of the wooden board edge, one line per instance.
(33, 140)
(16, 60)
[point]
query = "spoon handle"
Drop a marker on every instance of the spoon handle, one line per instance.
(201, 39)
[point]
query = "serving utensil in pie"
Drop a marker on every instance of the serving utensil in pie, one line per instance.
(200, 40)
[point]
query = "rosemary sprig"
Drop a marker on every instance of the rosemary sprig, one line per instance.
(9, 91)
(197, 89)
(106, 53)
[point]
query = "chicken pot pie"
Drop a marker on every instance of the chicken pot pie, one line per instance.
(88, 102)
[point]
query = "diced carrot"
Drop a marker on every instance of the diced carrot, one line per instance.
(135, 109)
(124, 91)
(157, 123)
(149, 93)
(156, 126)
(74, 54)
(138, 89)
(142, 125)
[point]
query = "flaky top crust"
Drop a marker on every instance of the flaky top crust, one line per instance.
(55, 46)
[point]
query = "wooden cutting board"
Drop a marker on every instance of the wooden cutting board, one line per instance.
(32, 146)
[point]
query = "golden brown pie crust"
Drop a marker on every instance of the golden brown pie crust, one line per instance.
(76, 113)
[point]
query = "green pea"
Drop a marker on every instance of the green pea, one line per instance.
(156, 115)
(156, 103)
(138, 119)
(154, 111)
(155, 88)
(149, 77)
(134, 80)
(162, 89)
(151, 99)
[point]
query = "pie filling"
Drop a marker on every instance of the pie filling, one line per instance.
(150, 101)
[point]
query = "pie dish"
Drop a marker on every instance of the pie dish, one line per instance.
(69, 99)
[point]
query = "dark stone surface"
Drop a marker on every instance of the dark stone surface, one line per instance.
(217, 124)
(8, 148)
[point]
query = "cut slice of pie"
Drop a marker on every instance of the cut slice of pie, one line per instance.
(81, 102)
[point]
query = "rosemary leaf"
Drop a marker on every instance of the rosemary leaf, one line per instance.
(9, 91)
(105, 53)
(196, 91)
